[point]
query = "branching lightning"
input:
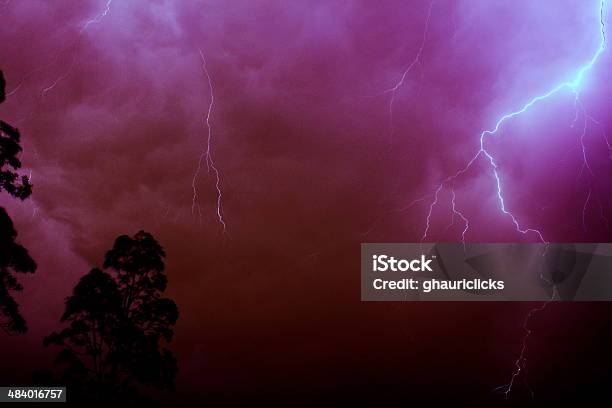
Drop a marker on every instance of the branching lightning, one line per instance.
(73, 60)
(571, 85)
(62, 77)
(206, 156)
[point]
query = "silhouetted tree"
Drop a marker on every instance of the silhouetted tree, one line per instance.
(119, 323)
(13, 257)
(2, 87)
(16, 185)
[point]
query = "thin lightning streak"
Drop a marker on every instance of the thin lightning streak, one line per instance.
(465, 220)
(59, 79)
(83, 28)
(431, 206)
(418, 200)
(606, 140)
(393, 211)
(34, 206)
(97, 18)
(417, 57)
(603, 134)
(572, 85)
(608, 144)
(393, 90)
(585, 163)
(66, 74)
(603, 216)
(521, 361)
(62, 77)
(24, 79)
(206, 156)
(416, 60)
(584, 210)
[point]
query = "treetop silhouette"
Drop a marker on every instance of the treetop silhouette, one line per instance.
(10, 181)
(118, 321)
(14, 258)
(2, 87)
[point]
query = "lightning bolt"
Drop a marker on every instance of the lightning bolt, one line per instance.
(35, 209)
(417, 60)
(72, 50)
(572, 85)
(585, 163)
(457, 212)
(520, 364)
(96, 19)
(27, 76)
(206, 156)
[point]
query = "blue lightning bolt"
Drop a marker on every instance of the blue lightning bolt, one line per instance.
(572, 85)
(206, 156)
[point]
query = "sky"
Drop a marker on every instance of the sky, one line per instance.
(319, 146)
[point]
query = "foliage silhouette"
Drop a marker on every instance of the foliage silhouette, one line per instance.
(10, 181)
(2, 87)
(13, 257)
(119, 324)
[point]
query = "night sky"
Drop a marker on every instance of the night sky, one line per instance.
(315, 156)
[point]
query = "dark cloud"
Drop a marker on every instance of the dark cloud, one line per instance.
(311, 163)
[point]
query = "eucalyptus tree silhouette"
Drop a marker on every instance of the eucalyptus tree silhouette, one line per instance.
(13, 257)
(119, 324)
(10, 181)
